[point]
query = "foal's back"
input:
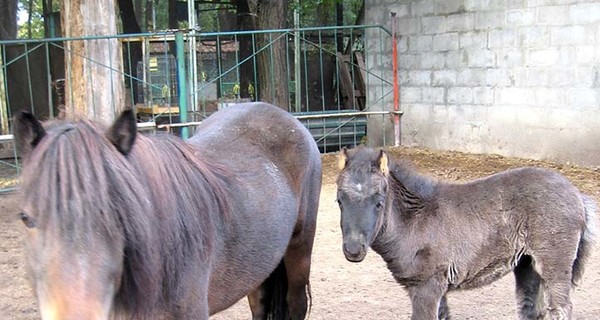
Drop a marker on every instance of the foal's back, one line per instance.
(529, 192)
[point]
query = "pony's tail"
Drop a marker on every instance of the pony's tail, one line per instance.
(588, 238)
(276, 287)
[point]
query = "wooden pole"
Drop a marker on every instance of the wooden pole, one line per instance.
(3, 99)
(94, 81)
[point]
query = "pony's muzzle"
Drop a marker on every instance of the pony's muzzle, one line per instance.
(355, 251)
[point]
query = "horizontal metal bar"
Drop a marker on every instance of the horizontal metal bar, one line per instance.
(8, 190)
(171, 33)
(346, 114)
(119, 36)
(329, 28)
(6, 138)
(152, 125)
(146, 125)
(179, 125)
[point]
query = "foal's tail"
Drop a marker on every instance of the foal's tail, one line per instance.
(588, 237)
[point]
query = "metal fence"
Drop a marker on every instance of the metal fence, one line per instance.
(176, 79)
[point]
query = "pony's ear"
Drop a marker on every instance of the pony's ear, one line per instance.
(384, 163)
(28, 132)
(123, 131)
(343, 158)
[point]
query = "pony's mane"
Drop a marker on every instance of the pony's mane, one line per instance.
(160, 200)
(187, 192)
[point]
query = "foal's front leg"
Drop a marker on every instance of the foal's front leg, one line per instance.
(426, 298)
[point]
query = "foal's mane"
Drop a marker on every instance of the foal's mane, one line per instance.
(411, 189)
(403, 172)
(160, 199)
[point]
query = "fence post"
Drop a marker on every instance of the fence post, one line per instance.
(3, 97)
(297, 75)
(395, 82)
(181, 82)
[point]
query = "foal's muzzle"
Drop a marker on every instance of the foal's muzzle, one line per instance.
(355, 251)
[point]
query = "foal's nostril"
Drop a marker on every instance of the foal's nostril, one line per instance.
(354, 251)
(354, 248)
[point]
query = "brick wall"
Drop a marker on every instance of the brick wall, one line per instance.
(513, 77)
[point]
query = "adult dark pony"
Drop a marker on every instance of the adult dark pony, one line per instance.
(122, 225)
(439, 236)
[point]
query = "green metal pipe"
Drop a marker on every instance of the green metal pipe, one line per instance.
(168, 33)
(181, 82)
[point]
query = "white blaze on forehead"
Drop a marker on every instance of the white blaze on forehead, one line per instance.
(356, 191)
(358, 188)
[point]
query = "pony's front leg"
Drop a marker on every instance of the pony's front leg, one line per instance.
(426, 299)
(193, 301)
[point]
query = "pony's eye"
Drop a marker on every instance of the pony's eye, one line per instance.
(27, 221)
(338, 202)
(379, 204)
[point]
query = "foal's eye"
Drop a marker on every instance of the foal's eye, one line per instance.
(26, 220)
(379, 204)
(338, 202)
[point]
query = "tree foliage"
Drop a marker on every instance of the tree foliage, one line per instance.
(153, 15)
(30, 19)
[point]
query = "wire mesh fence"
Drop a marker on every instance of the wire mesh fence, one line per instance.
(173, 80)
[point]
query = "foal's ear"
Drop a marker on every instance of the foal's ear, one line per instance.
(123, 131)
(343, 158)
(28, 132)
(384, 165)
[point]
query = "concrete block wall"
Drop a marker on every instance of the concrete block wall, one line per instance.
(511, 77)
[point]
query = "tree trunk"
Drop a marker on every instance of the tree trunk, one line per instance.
(173, 22)
(128, 17)
(26, 86)
(133, 50)
(272, 77)
(339, 21)
(138, 6)
(94, 85)
(8, 30)
(8, 19)
(246, 20)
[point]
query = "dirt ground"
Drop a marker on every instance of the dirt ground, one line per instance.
(340, 289)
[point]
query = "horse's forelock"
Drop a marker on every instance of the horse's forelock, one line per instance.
(161, 194)
(76, 180)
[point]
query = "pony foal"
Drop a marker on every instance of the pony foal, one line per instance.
(437, 236)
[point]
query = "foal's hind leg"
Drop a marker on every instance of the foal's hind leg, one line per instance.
(530, 297)
(443, 310)
(556, 279)
(555, 268)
